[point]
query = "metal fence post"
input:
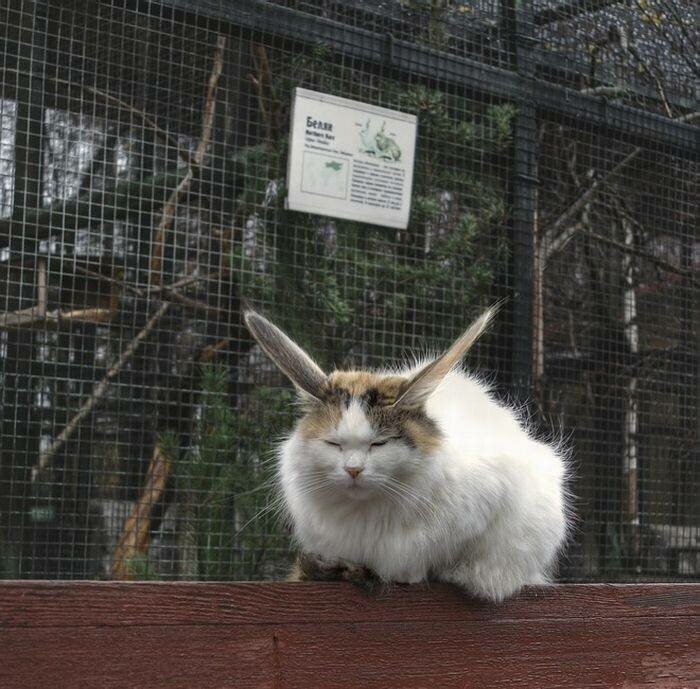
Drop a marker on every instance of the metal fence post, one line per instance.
(518, 22)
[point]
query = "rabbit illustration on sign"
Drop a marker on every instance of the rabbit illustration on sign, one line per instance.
(376, 143)
(368, 139)
(388, 147)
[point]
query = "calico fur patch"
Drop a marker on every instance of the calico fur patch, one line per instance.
(377, 394)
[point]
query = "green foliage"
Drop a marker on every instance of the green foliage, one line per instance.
(402, 286)
(10, 561)
(337, 273)
(140, 568)
(224, 482)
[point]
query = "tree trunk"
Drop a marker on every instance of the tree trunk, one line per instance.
(631, 422)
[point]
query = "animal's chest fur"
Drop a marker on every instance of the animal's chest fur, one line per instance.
(382, 542)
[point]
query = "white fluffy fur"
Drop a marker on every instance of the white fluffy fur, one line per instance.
(486, 510)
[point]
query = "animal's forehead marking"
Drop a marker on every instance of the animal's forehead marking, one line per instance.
(356, 383)
(358, 404)
(354, 422)
(372, 389)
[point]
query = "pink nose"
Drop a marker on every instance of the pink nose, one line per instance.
(353, 471)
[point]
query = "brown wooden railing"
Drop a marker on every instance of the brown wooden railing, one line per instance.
(322, 636)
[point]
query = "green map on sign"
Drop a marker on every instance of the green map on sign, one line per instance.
(324, 175)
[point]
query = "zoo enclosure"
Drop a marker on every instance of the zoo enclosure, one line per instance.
(142, 158)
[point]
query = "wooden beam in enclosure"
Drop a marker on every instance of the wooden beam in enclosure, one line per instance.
(323, 636)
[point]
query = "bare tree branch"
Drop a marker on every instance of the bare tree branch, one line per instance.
(190, 279)
(135, 533)
(570, 9)
(560, 242)
(170, 291)
(113, 281)
(122, 105)
(182, 282)
(550, 235)
(22, 317)
(98, 392)
(261, 82)
(41, 287)
(38, 315)
(650, 73)
(611, 91)
(35, 316)
(194, 304)
(170, 208)
(634, 251)
(570, 213)
(101, 388)
(209, 353)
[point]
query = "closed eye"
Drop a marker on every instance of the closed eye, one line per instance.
(332, 444)
(379, 443)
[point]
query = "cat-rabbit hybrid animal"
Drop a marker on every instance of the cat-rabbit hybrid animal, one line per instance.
(417, 474)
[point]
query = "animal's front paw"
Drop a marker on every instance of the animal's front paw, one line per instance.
(312, 567)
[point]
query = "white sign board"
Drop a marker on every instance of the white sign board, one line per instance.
(350, 160)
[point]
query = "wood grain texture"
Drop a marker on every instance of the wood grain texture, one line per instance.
(313, 635)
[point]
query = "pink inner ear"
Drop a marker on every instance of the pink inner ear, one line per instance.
(417, 389)
(287, 355)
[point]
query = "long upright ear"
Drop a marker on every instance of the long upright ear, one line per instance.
(425, 382)
(288, 356)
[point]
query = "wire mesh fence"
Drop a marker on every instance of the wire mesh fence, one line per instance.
(142, 184)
